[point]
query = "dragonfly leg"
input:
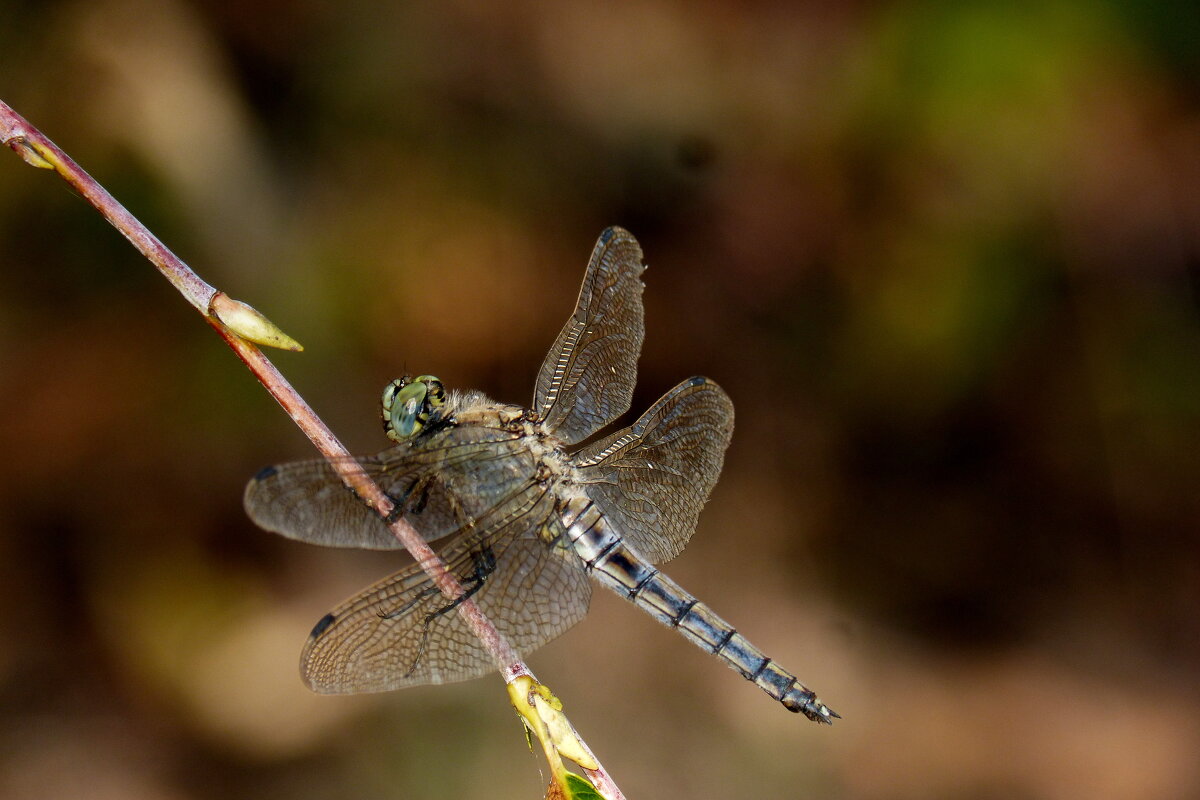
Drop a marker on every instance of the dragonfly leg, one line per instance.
(428, 591)
(484, 561)
(401, 503)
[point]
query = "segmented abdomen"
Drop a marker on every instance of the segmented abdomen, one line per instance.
(613, 563)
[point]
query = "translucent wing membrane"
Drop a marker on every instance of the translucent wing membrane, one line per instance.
(403, 632)
(307, 501)
(439, 482)
(652, 478)
(587, 378)
(523, 523)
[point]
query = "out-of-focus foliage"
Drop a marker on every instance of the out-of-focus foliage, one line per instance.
(943, 256)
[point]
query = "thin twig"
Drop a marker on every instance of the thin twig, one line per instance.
(35, 148)
(30, 143)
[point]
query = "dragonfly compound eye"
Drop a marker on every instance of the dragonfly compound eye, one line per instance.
(408, 405)
(437, 392)
(519, 519)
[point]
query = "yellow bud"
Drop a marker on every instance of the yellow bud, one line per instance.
(30, 152)
(249, 323)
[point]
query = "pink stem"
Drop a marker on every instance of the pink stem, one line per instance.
(37, 149)
(33, 145)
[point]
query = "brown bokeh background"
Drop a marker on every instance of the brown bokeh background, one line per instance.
(943, 256)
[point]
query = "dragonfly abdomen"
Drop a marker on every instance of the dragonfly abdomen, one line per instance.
(616, 565)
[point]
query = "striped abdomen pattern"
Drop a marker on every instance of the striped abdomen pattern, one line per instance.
(614, 563)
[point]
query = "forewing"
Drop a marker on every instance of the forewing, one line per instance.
(587, 378)
(652, 478)
(307, 501)
(401, 632)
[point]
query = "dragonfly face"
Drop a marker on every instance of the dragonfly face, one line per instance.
(409, 404)
(525, 519)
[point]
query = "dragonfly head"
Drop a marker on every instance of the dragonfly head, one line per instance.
(408, 405)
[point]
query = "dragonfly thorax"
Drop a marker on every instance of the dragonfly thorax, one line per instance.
(409, 404)
(524, 507)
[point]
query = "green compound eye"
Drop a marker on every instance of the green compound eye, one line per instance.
(409, 404)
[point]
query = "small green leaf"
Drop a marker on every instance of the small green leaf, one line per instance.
(580, 788)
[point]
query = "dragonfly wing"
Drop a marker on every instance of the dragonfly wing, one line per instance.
(306, 500)
(587, 378)
(652, 478)
(402, 631)
(427, 478)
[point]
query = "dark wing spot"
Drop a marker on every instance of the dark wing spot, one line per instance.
(322, 626)
(264, 473)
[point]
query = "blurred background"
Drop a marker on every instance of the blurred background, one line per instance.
(943, 256)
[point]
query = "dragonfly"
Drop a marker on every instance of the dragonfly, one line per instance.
(525, 511)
